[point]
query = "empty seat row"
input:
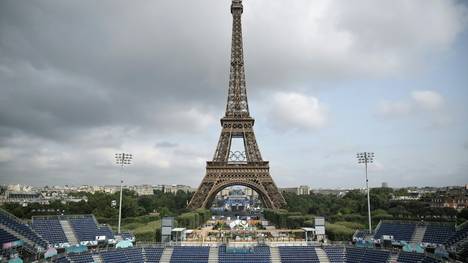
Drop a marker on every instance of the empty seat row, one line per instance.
(113, 256)
(153, 254)
(81, 258)
(399, 231)
(50, 229)
(288, 254)
(364, 255)
(409, 257)
(458, 236)
(292, 254)
(335, 254)
(85, 228)
(105, 231)
(259, 254)
(6, 237)
(190, 254)
(19, 227)
(438, 234)
(134, 255)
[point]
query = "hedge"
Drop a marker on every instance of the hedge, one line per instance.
(193, 219)
(284, 219)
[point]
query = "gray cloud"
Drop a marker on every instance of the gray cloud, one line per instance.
(165, 144)
(80, 80)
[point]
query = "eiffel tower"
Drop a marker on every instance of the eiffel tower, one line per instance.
(243, 166)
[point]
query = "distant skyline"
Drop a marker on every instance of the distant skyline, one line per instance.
(235, 186)
(83, 80)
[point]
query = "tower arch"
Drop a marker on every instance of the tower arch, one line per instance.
(263, 195)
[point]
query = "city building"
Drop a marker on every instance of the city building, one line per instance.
(144, 189)
(175, 188)
(301, 190)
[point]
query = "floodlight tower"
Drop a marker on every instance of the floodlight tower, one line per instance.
(122, 159)
(365, 158)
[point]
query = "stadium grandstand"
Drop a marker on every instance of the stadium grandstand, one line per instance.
(251, 254)
(428, 233)
(65, 230)
(79, 238)
(15, 234)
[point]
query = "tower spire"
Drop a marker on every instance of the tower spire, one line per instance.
(237, 159)
(237, 106)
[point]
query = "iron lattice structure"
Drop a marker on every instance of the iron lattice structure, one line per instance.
(230, 167)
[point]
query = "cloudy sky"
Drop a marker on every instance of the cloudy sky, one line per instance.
(82, 80)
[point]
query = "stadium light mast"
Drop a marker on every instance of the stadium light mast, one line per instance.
(122, 159)
(365, 158)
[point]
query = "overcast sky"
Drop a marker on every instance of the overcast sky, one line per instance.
(82, 80)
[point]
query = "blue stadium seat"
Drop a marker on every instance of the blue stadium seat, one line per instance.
(458, 235)
(365, 255)
(105, 231)
(81, 258)
(134, 255)
(375, 256)
(193, 254)
(152, 254)
(438, 234)
(399, 231)
(120, 255)
(13, 223)
(260, 254)
(6, 237)
(50, 229)
(409, 257)
(354, 254)
(85, 228)
(293, 254)
(335, 254)
(113, 256)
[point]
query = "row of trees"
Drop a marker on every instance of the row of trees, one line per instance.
(282, 218)
(165, 203)
(100, 204)
(353, 207)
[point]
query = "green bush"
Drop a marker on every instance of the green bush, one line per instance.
(354, 217)
(283, 219)
(309, 223)
(351, 225)
(338, 232)
(193, 219)
(381, 214)
(277, 217)
(149, 236)
(140, 219)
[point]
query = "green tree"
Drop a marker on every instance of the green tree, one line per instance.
(463, 213)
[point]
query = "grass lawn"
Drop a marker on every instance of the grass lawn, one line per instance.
(138, 228)
(143, 227)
